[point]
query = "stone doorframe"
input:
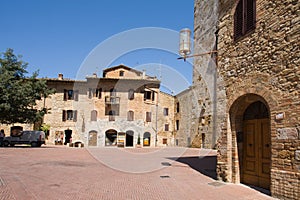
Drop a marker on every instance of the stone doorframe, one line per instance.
(236, 114)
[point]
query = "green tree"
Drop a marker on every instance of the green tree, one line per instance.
(18, 93)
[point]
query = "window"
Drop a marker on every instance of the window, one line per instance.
(112, 108)
(111, 115)
(121, 73)
(177, 125)
(148, 116)
(166, 127)
(69, 115)
(149, 95)
(244, 18)
(95, 93)
(113, 92)
(94, 115)
(131, 94)
(130, 115)
(177, 107)
(165, 141)
(99, 93)
(71, 95)
(166, 111)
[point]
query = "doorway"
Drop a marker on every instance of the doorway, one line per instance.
(129, 138)
(68, 136)
(111, 137)
(256, 146)
(93, 138)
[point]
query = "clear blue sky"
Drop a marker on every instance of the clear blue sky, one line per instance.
(56, 36)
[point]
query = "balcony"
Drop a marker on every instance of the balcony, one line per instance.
(112, 100)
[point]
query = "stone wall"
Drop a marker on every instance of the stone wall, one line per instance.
(262, 65)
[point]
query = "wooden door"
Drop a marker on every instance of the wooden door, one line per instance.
(257, 153)
(93, 138)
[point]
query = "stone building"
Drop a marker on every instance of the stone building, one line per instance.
(114, 110)
(253, 84)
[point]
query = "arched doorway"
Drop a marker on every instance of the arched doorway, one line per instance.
(93, 138)
(256, 146)
(129, 138)
(111, 137)
(146, 139)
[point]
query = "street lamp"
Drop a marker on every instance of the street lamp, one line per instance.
(185, 45)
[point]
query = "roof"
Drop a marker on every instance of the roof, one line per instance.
(123, 67)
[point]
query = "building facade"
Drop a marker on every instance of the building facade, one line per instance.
(253, 87)
(119, 109)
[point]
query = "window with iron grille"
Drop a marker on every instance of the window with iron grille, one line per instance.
(244, 18)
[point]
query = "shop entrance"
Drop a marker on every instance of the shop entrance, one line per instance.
(111, 137)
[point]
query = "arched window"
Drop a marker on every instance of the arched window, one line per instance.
(244, 18)
(130, 115)
(131, 94)
(94, 115)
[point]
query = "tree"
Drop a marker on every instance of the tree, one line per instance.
(19, 94)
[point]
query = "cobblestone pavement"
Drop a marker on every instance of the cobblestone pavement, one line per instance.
(53, 172)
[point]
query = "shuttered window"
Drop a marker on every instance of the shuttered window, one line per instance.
(244, 18)
(148, 116)
(130, 115)
(94, 115)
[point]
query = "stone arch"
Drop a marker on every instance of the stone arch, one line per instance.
(111, 136)
(93, 138)
(146, 139)
(237, 132)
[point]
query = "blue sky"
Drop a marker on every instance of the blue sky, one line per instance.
(57, 36)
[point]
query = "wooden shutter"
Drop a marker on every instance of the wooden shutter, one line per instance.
(76, 94)
(238, 20)
(130, 115)
(64, 115)
(166, 127)
(74, 115)
(250, 15)
(65, 95)
(94, 115)
(148, 116)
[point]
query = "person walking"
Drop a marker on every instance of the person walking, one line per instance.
(2, 135)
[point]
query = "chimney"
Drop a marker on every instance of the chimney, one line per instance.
(60, 76)
(94, 75)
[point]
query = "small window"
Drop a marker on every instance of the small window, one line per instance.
(177, 107)
(166, 127)
(99, 93)
(130, 115)
(148, 116)
(121, 73)
(111, 115)
(177, 125)
(71, 95)
(244, 18)
(69, 115)
(131, 94)
(149, 95)
(165, 141)
(113, 92)
(94, 115)
(166, 111)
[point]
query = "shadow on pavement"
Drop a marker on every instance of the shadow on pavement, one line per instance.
(205, 165)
